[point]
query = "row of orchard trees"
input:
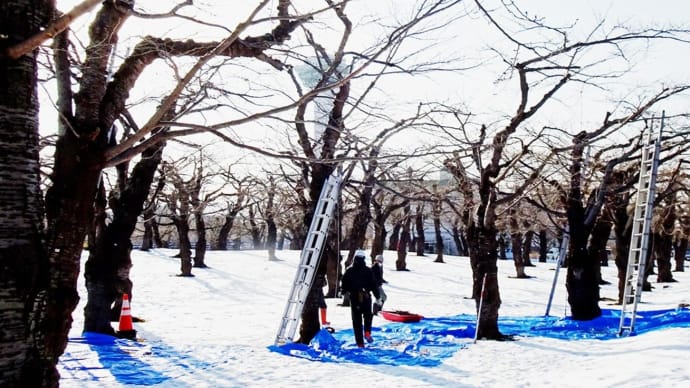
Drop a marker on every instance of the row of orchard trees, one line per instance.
(541, 207)
(120, 112)
(117, 115)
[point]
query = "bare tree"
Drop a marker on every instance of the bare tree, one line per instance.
(420, 239)
(233, 208)
(82, 152)
(384, 205)
(487, 161)
(180, 209)
(151, 232)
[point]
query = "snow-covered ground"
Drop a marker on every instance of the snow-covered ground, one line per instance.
(217, 329)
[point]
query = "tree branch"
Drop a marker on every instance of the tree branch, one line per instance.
(54, 29)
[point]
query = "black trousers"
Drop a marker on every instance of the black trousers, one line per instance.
(361, 318)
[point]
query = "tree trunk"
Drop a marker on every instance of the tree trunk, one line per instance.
(527, 248)
(152, 236)
(379, 236)
(107, 268)
(360, 223)
(147, 240)
(103, 289)
(663, 248)
(269, 219)
(419, 230)
(439, 238)
(381, 214)
(401, 260)
(254, 229)
(37, 296)
(518, 256)
(223, 233)
(582, 279)
(100, 215)
(319, 173)
(681, 247)
(543, 246)
(502, 247)
(222, 240)
(182, 226)
(622, 228)
(200, 247)
(459, 239)
(332, 257)
(599, 239)
(482, 245)
(310, 324)
(394, 238)
(663, 241)
(271, 237)
(280, 241)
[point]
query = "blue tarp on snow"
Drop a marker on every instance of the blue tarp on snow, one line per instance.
(429, 341)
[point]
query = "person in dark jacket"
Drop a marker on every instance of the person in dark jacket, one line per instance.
(377, 269)
(358, 281)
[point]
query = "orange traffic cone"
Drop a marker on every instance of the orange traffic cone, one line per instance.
(125, 329)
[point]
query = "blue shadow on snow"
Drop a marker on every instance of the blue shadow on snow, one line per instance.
(429, 341)
(129, 362)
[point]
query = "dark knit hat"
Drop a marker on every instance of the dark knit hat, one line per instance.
(360, 257)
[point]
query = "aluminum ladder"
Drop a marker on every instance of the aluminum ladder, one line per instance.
(563, 250)
(311, 254)
(639, 241)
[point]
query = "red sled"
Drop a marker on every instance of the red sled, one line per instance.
(401, 316)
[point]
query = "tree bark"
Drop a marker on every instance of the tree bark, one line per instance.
(394, 238)
(401, 250)
(459, 238)
(254, 229)
(599, 239)
(271, 229)
(200, 246)
(361, 220)
(680, 249)
(185, 246)
(380, 232)
(663, 242)
(363, 216)
(622, 228)
(109, 262)
(419, 230)
(35, 294)
(527, 248)
(543, 246)
(319, 173)
(502, 247)
(582, 279)
(482, 245)
(518, 255)
(382, 212)
(271, 235)
(439, 237)
(233, 211)
(147, 239)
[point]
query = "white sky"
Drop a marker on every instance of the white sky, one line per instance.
(213, 330)
(573, 107)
